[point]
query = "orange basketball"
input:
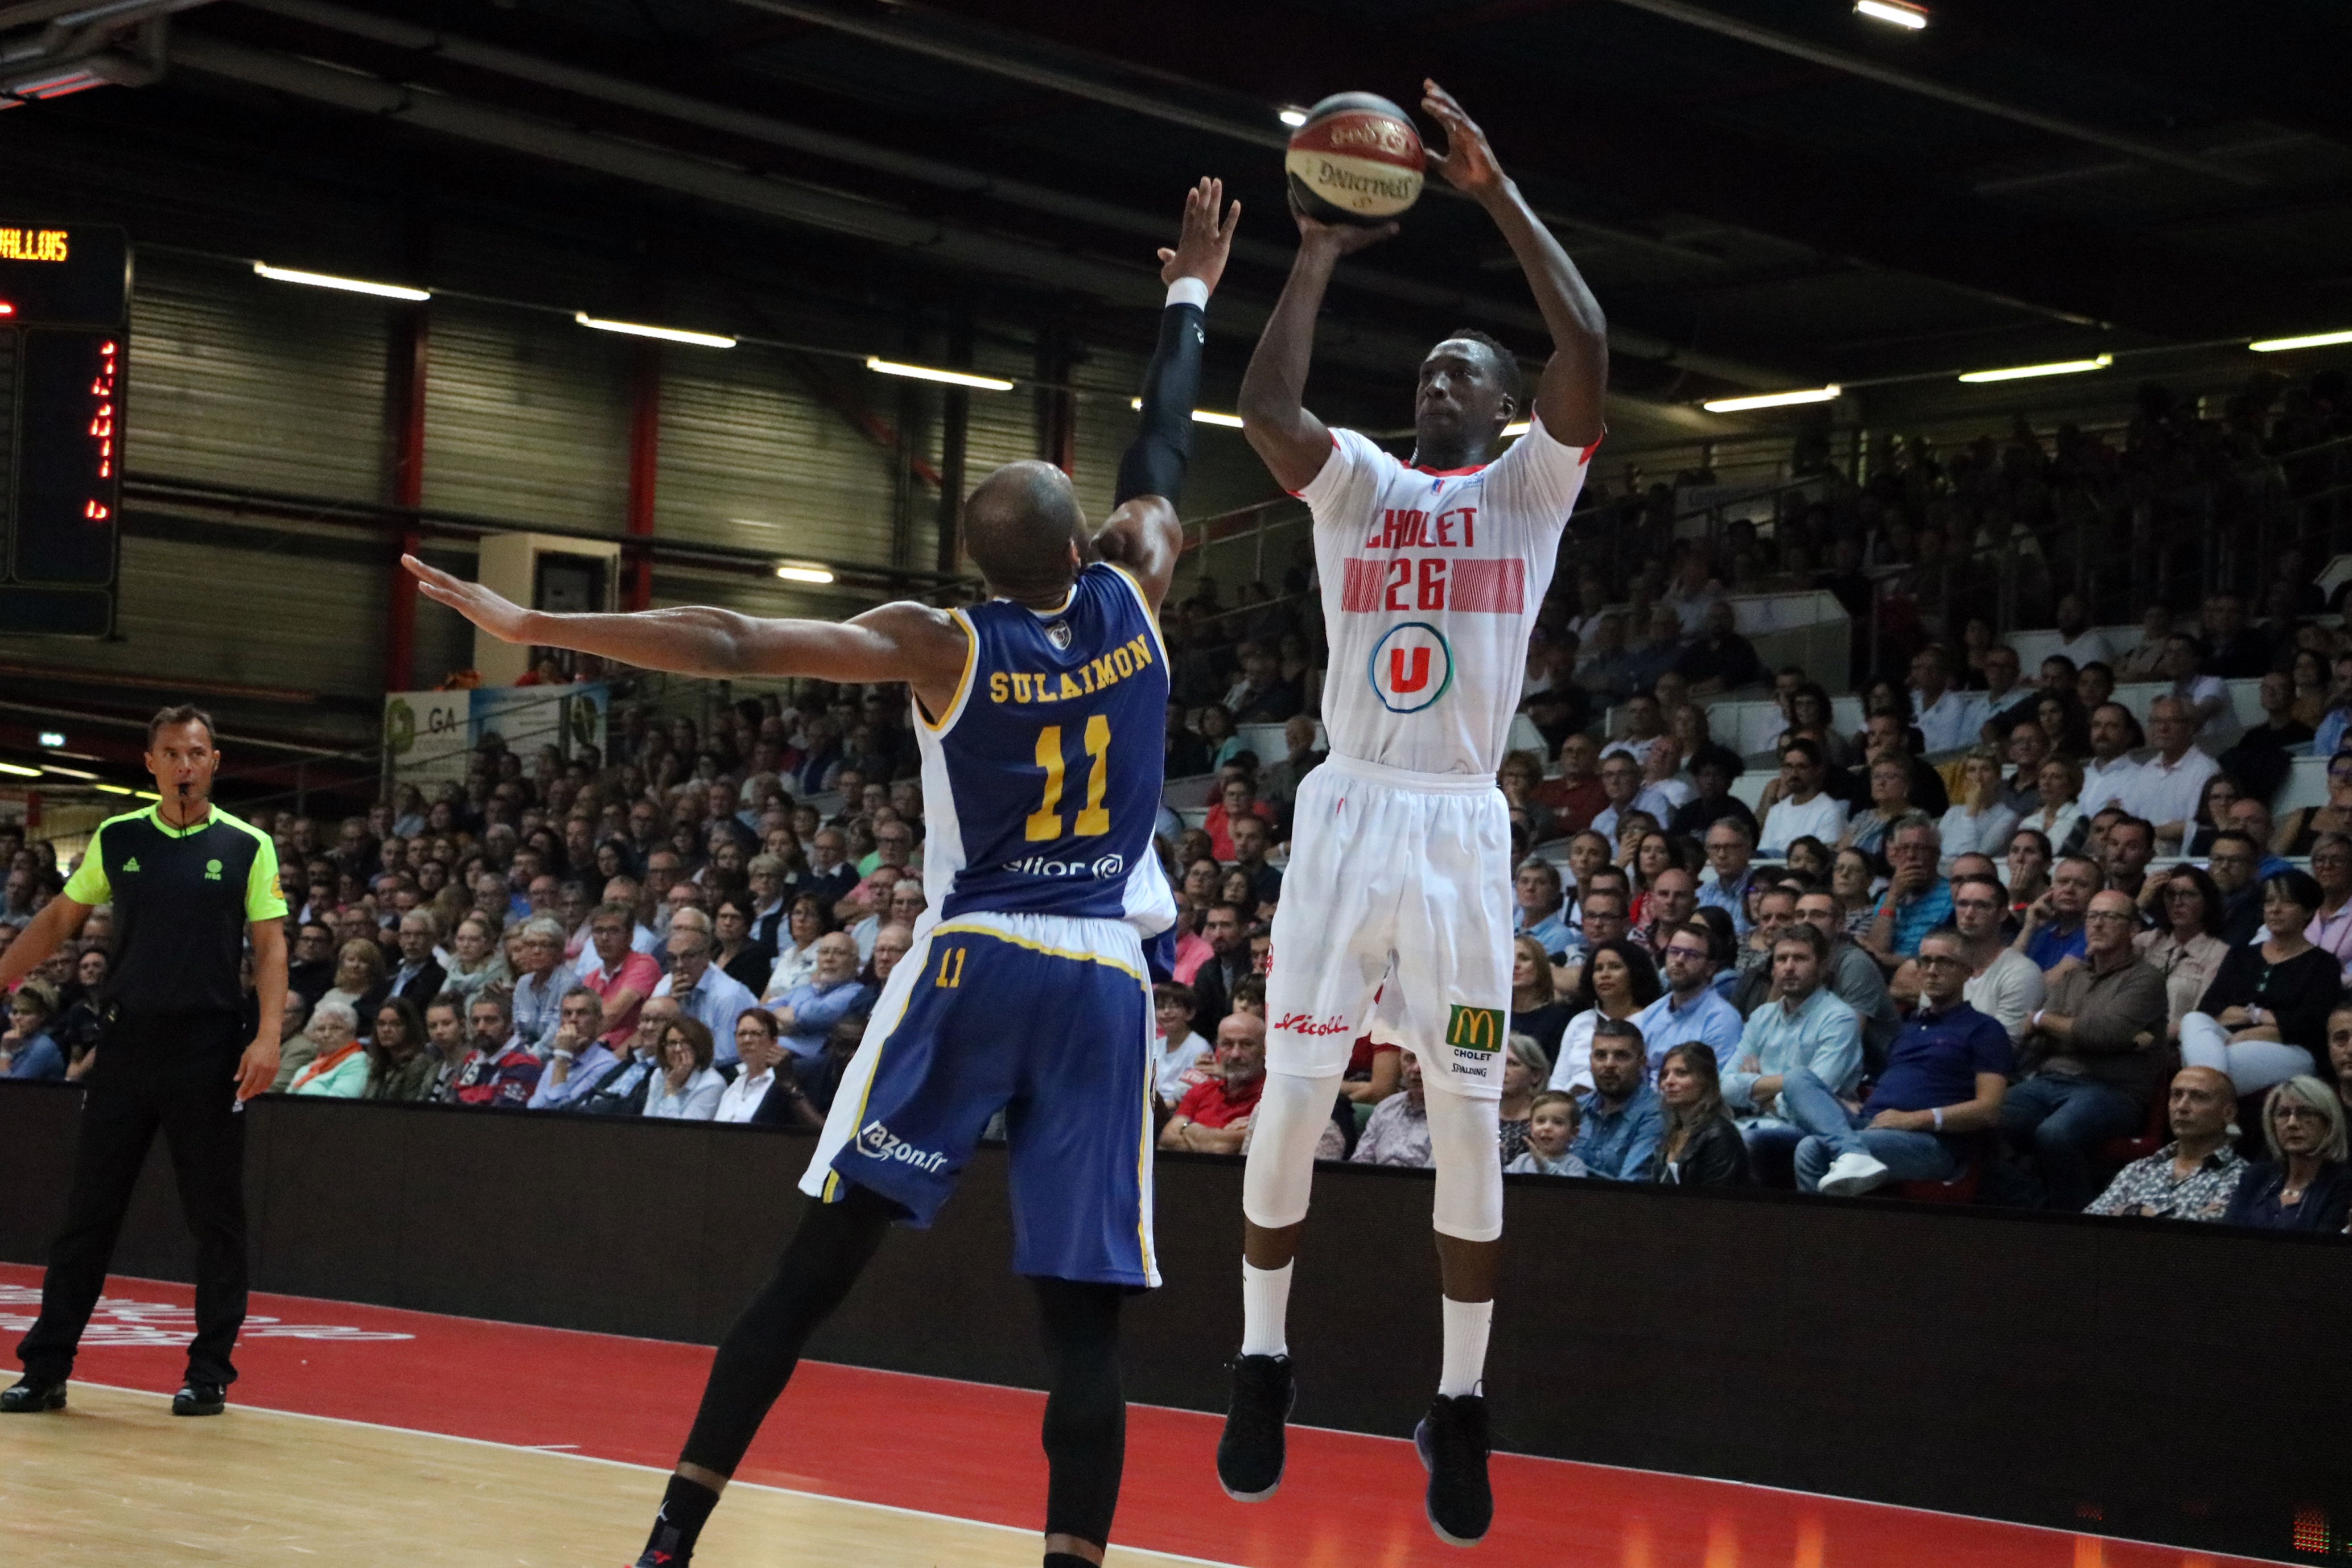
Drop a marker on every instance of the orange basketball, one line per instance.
(1357, 160)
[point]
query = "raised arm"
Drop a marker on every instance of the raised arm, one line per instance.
(1575, 383)
(1294, 444)
(902, 642)
(1143, 535)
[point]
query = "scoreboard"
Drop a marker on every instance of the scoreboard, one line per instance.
(65, 302)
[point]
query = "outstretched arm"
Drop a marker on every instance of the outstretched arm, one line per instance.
(1569, 397)
(1292, 442)
(902, 642)
(1143, 534)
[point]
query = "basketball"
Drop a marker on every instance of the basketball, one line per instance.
(1357, 160)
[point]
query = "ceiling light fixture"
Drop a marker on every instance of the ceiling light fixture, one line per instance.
(346, 284)
(1829, 393)
(1201, 415)
(2311, 340)
(666, 334)
(1907, 17)
(803, 574)
(53, 738)
(1293, 118)
(2025, 373)
(927, 374)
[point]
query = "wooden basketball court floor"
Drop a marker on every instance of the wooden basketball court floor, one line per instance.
(364, 1438)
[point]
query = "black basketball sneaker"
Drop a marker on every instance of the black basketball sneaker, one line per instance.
(30, 1396)
(200, 1399)
(1451, 1442)
(1250, 1453)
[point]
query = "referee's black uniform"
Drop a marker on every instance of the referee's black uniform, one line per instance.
(172, 1024)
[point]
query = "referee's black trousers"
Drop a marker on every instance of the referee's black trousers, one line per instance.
(174, 1075)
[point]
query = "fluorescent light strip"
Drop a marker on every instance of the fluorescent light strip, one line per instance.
(347, 285)
(803, 574)
(1909, 17)
(68, 772)
(666, 334)
(927, 374)
(16, 771)
(1773, 400)
(1203, 416)
(2314, 340)
(2023, 372)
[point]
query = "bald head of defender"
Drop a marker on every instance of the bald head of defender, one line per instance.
(1023, 530)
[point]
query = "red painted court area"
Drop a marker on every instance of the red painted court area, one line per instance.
(970, 1450)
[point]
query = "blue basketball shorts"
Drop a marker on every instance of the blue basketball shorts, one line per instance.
(1046, 1017)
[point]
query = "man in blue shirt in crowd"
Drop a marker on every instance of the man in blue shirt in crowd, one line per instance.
(1543, 908)
(705, 992)
(2052, 932)
(1619, 1129)
(805, 1014)
(1917, 899)
(1691, 1011)
(1945, 1077)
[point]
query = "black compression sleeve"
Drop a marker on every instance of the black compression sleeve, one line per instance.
(1085, 1414)
(1155, 463)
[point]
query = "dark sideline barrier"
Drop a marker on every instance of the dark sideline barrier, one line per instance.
(2171, 1383)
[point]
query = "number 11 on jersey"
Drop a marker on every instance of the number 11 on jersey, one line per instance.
(1045, 823)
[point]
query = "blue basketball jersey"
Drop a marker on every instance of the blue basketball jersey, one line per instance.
(1042, 783)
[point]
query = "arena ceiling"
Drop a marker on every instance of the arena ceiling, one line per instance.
(1765, 194)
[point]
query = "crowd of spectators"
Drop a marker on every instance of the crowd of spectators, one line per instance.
(2004, 944)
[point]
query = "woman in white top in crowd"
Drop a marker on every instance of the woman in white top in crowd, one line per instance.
(2186, 948)
(2060, 783)
(475, 960)
(2155, 631)
(1978, 824)
(688, 1088)
(804, 923)
(1854, 877)
(1619, 981)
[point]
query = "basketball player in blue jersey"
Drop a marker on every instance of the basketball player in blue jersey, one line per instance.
(1040, 721)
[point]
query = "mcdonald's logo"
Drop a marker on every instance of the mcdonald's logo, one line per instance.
(1475, 1029)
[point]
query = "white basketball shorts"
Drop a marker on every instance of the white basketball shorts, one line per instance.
(1399, 887)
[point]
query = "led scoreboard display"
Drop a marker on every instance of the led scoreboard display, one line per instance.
(65, 318)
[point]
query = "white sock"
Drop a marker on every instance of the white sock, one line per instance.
(1467, 1323)
(1266, 1307)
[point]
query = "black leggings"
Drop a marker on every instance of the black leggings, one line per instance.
(1085, 1414)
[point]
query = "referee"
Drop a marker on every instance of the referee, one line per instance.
(187, 883)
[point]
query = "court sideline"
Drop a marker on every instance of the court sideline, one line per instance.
(339, 1448)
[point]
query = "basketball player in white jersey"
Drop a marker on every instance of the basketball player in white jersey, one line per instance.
(1399, 880)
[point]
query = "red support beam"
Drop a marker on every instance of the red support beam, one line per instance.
(404, 419)
(644, 467)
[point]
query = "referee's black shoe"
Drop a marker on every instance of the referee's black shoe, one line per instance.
(1250, 1453)
(32, 1394)
(1451, 1441)
(200, 1399)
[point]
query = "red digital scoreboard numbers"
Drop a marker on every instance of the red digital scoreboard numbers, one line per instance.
(65, 297)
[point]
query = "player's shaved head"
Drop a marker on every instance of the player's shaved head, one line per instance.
(1020, 525)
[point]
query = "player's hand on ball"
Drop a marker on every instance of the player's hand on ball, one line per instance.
(1340, 239)
(1201, 248)
(1469, 163)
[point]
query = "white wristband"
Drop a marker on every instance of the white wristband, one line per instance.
(1936, 1112)
(1188, 291)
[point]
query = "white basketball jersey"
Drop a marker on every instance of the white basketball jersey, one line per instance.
(1430, 583)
